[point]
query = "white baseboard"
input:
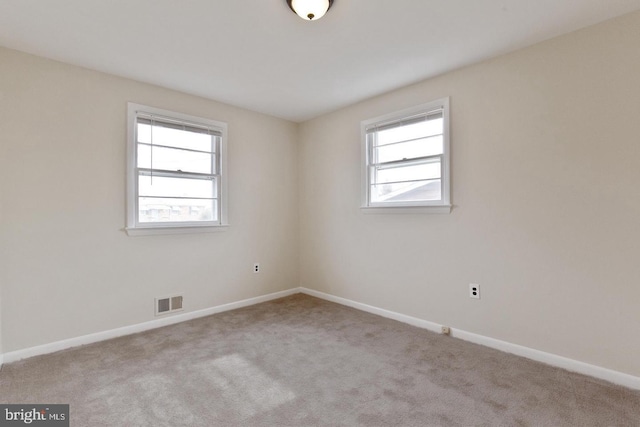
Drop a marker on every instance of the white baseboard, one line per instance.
(537, 355)
(572, 365)
(140, 327)
(414, 321)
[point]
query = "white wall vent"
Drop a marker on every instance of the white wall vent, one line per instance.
(168, 304)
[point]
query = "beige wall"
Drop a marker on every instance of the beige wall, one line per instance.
(545, 173)
(68, 268)
(3, 267)
(545, 162)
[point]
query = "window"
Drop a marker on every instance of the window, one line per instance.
(406, 160)
(176, 179)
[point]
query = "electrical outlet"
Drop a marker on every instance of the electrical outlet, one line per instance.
(256, 268)
(446, 330)
(474, 290)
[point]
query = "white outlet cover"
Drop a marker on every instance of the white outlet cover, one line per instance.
(474, 290)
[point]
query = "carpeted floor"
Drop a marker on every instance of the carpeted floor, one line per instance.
(301, 361)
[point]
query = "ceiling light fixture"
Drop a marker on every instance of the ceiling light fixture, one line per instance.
(310, 10)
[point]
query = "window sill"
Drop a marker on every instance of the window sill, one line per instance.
(152, 231)
(439, 209)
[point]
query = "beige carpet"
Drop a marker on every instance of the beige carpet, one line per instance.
(301, 361)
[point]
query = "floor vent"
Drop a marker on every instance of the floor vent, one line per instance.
(168, 304)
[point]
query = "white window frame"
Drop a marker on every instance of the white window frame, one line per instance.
(435, 206)
(136, 228)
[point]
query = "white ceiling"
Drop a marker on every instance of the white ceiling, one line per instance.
(258, 55)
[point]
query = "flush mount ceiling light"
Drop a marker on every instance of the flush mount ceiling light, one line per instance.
(310, 10)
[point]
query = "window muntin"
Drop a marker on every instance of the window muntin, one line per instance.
(175, 170)
(406, 158)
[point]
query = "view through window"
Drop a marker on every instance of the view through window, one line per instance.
(407, 158)
(176, 170)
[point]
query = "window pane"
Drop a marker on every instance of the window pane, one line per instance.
(176, 210)
(174, 159)
(430, 190)
(417, 130)
(160, 186)
(410, 150)
(176, 138)
(422, 171)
